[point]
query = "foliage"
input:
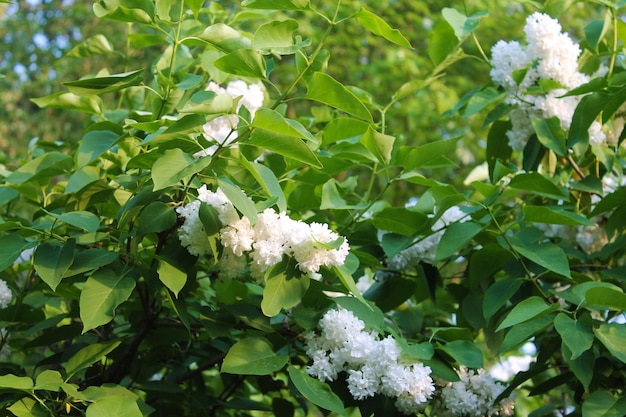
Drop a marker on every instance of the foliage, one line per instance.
(139, 256)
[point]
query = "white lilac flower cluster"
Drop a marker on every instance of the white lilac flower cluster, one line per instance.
(426, 248)
(473, 395)
(5, 294)
(550, 55)
(262, 245)
(373, 366)
(222, 130)
(5, 299)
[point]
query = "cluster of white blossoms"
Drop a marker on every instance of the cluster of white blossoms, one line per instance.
(373, 366)
(550, 55)
(5, 299)
(473, 396)
(222, 130)
(425, 249)
(262, 245)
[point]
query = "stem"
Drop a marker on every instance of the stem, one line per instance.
(614, 49)
(574, 165)
(516, 254)
(176, 42)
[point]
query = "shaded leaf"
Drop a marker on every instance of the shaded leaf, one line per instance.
(52, 261)
(89, 355)
(107, 84)
(524, 311)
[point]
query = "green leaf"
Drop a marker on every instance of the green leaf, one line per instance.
(609, 298)
(594, 32)
(550, 134)
(81, 178)
(276, 4)
(399, 220)
(47, 165)
(613, 337)
(521, 333)
(524, 311)
(104, 291)
(69, 101)
(89, 355)
(243, 62)
(577, 336)
(318, 392)
(378, 26)
(114, 406)
(535, 183)
(498, 148)
(465, 353)
(371, 315)
(378, 144)
(163, 9)
(554, 215)
(186, 125)
(332, 199)
(602, 403)
(546, 254)
(268, 181)
(239, 199)
(276, 37)
(225, 38)
(93, 145)
(455, 237)
(49, 380)
(11, 247)
(52, 261)
(480, 100)
(253, 356)
(588, 109)
(81, 219)
(443, 42)
(273, 121)
(101, 85)
(10, 381)
(174, 166)
(461, 24)
(282, 292)
(582, 367)
(28, 407)
(498, 294)
(347, 280)
(419, 156)
(171, 276)
(7, 195)
(125, 11)
(325, 89)
(288, 146)
(210, 219)
(95, 45)
(90, 260)
(155, 217)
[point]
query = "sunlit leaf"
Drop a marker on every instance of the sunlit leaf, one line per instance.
(318, 392)
(253, 356)
(325, 89)
(104, 291)
(378, 26)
